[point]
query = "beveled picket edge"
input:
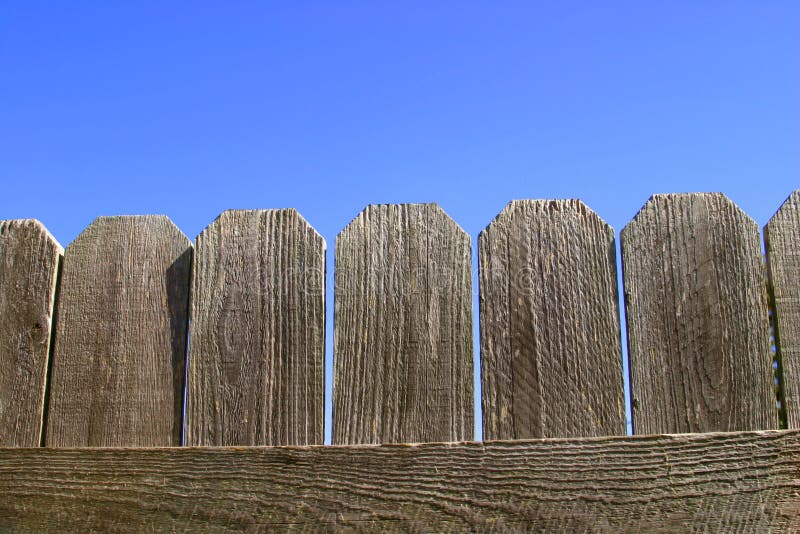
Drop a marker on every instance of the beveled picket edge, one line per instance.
(742, 481)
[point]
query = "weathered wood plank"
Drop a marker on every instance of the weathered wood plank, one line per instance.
(402, 328)
(119, 355)
(257, 341)
(29, 263)
(698, 329)
(741, 482)
(550, 337)
(782, 243)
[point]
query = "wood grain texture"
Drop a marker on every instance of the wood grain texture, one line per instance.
(550, 338)
(118, 365)
(741, 482)
(402, 328)
(698, 327)
(257, 345)
(782, 242)
(29, 264)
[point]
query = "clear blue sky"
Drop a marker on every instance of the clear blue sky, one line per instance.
(192, 108)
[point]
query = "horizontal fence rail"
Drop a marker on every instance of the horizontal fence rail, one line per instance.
(737, 482)
(135, 337)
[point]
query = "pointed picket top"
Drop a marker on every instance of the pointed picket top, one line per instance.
(788, 212)
(257, 346)
(402, 327)
(664, 203)
(29, 264)
(550, 337)
(31, 226)
(575, 205)
(118, 361)
(431, 208)
(159, 226)
(230, 214)
(782, 244)
(437, 211)
(698, 328)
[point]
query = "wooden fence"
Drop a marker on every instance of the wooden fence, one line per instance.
(133, 341)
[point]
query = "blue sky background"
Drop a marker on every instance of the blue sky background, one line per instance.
(192, 108)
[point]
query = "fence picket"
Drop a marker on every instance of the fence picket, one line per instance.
(698, 330)
(782, 243)
(118, 362)
(29, 262)
(550, 337)
(256, 351)
(402, 328)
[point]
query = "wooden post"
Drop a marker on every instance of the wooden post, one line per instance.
(550, 338)
(29, 263)
(118, 363)
(698, 330)
(257, 346)
(782, 241)
(402, 328)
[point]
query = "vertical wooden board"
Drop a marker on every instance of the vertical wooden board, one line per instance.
(29, 263)
(402, 328)
(550, 338)
(782, 241)
(257, 341)
(698, 329)
(118, 365)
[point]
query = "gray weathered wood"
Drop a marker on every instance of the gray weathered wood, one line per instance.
(698, 329)
(29, 262)
(119, 357)
(782, 241)
(741, 482)
(402, 328)
(257, 345)
(550, 338)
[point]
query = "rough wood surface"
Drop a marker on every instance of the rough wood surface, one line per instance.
(698, 328)
(782, 240)
(29, 262)
(741, 482)
(402, 328)
(120, 346)
(550, 339)
(256, 351)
